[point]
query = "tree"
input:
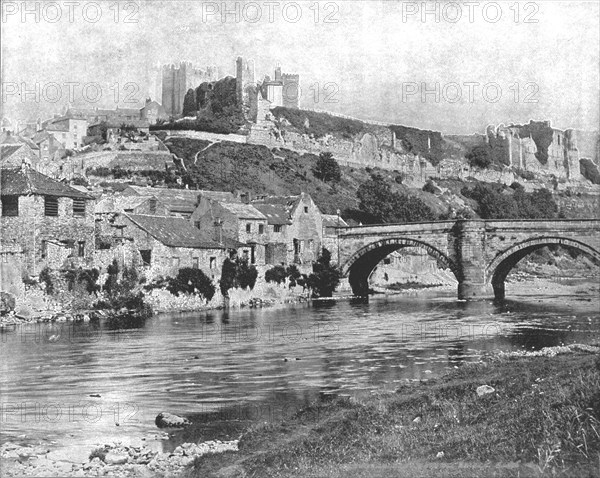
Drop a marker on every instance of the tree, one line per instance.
(479, 157)
(191, 281)
(189, 103)
(327, 168)
(237, 273)
(276, 274)
(325, 276)
(377, 199)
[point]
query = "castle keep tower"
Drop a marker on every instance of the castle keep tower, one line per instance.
(177, 80)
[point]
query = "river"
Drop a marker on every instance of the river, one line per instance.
(79, 385)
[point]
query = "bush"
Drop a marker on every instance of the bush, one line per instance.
(327, 168)
(121, 291)
(88, 277)
(479, 157)
(325, 277)
(527, 175)
(191, 281)
(276, 274)
(381, 204)
(237, 273)
(46, 279)
(429, 187)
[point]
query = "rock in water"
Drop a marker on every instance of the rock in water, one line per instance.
(168, 420)
(115, 458)
(484, 390)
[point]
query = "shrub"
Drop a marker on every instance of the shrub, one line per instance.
(429, 187)
(381, 204)
(327, 168)
(276, 274)
(325, 277)
(237, 273)
(46, 279)
(479, 157)
(191, 281)
(527, 175)
(89, 277)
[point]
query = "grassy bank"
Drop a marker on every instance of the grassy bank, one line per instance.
(542, 419)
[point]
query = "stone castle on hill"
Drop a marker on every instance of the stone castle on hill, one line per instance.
(177, 80)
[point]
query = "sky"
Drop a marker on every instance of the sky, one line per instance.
(454, 67)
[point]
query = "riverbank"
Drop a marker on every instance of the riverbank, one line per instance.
(513, 414)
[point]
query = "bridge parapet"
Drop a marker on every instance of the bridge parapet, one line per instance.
(479, 252)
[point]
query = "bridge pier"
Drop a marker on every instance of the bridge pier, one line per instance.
(470, 244)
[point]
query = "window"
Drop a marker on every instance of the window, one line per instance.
(195, 263)
(248, 228)
(152, 206)
(306, 209)
(81, 249)
(197, 224)
(261, 229)
(44, 251)
(277, 228)
(146, 256)
(245, 254)
(78, 207)
(213, 263)
(50, 206)
(10, 205)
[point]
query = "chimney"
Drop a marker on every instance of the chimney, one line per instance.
(245, 197)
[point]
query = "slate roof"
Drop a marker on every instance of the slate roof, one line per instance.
(331, 220)
(21, 182)
(119, 203)
(287, 201)
(174, 231)
(243, 211)
(276, 214)
(182, 200)
(7, 150)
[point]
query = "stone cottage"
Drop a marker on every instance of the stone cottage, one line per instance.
(167, 244)
(239, 221)
(52, 222)
(302, 234)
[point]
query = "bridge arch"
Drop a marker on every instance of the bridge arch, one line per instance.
(499, 268)
(359, 266)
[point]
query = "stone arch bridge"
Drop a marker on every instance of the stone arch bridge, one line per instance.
(480, 253)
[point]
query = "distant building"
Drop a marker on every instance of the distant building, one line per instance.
(152, 112)
(68, 131)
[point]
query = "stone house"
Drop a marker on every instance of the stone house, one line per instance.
(331, 225)
(166, 244)
(236, 220)
(51, 221)
(14, 155)
(152, 112)
(48, 146)
(109, 207)
(67, 130)
(303, 232)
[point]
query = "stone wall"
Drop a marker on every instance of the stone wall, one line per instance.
(31, 227)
